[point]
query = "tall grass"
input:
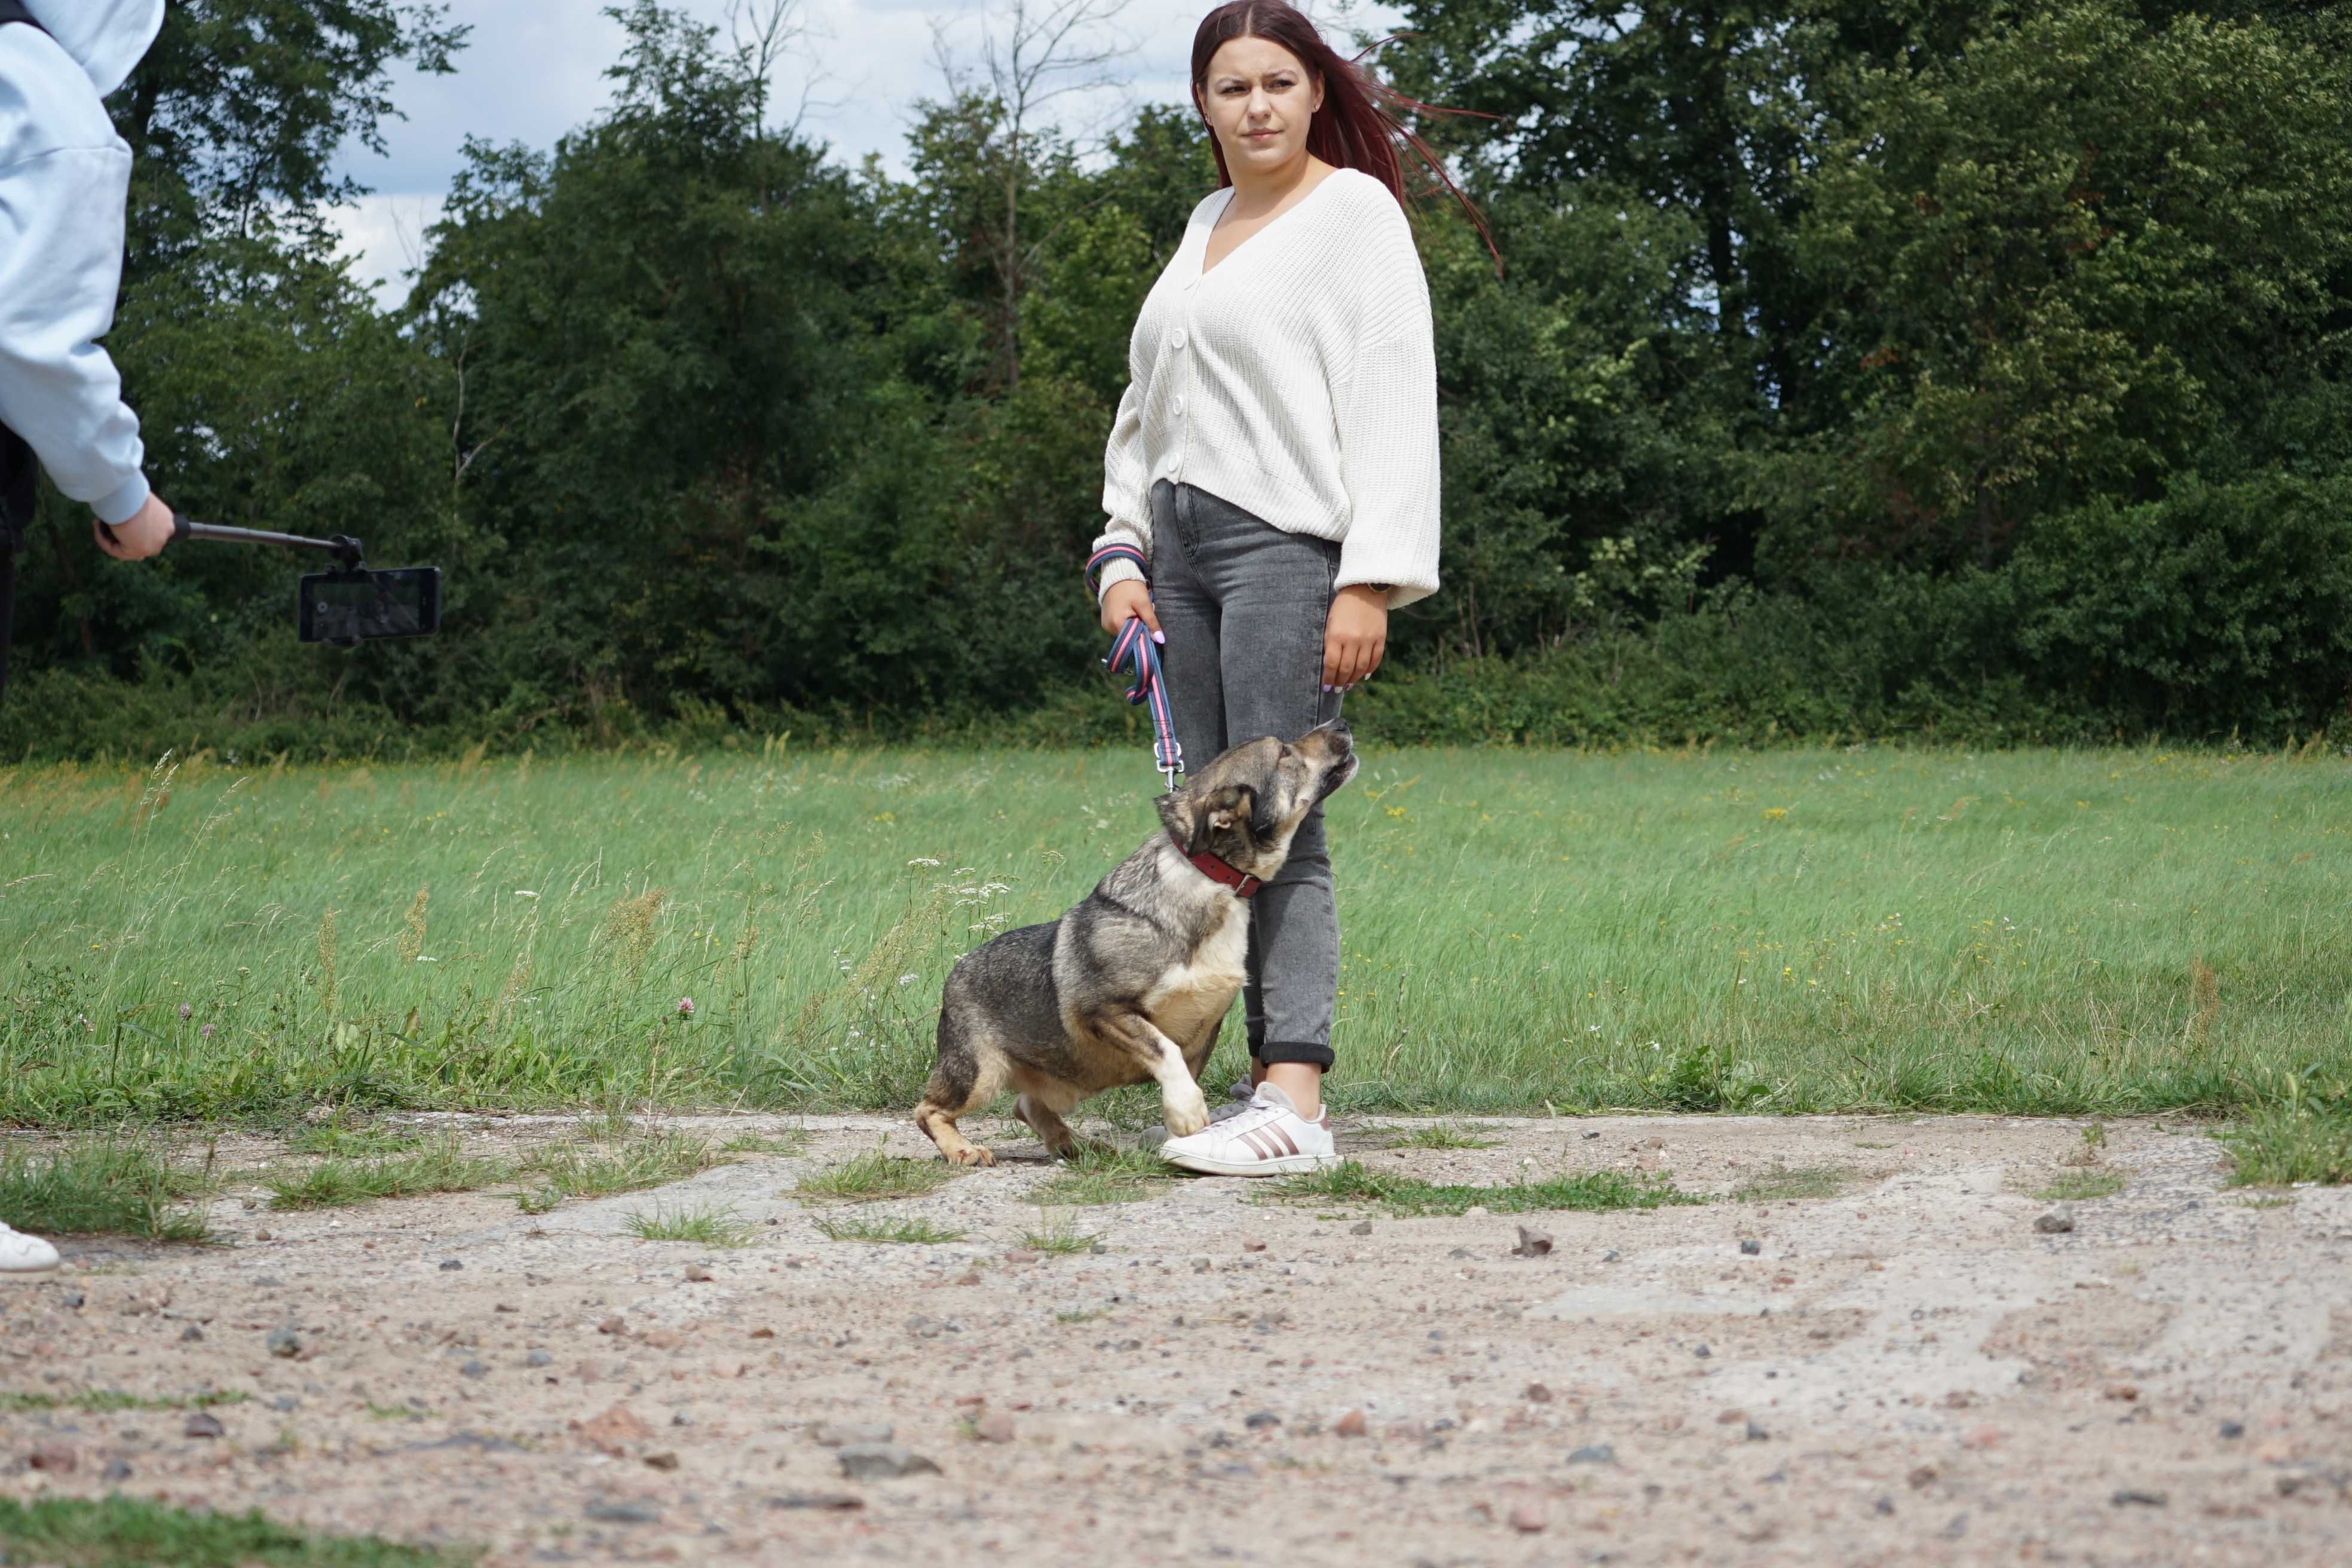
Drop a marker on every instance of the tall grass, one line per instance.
(2040, 931)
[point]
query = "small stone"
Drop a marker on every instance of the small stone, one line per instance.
(1459, 1252)
(450, 1266)
(1528, 1519)
(2123, 1391)
(284, 1402)
(680, 1418)
(969, 1277)
(1097, 1248)
(1532, 1244)
(261, 1236)
(1258, 1420)
(2132, 1498)
(842, 1433)
(1984, 1437)
(612, 1326)
(1351, 1425)
(539, 1358)
(1726, 1417)
(697, 1273)
(662, 1461)
(614, 1430)
(1922, 1478)
(1361, 1228)
(1750, 1247)
(1756, 1433)
(474, 1368)
(284, 1344)
(605, 1512)
(2275, 1451)
(882, 1461)
(1884, 1505)
(2055, 1223)
(1537, 1394)
(842, 1502)
(56, 1459)
(116, 1470)
(2233, 1430)
(191, 1334)
(1701, 1350)
(763, 1334)
(202, 1424)
(1594, 1134)
(1612, 1255)
(1023, 1254)
(1475, 1211)
(1251, 1243)
(665, 1339)
(994, 1427)
(1594, 1454)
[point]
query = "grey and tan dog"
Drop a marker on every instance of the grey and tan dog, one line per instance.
(1131, 983)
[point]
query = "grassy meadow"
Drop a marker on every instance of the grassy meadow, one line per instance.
(1797, 930)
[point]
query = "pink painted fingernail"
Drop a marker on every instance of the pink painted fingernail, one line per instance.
(1160, 636)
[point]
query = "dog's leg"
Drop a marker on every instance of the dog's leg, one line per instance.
(1051, 1130)
(1181, 1108)
(967, 1075)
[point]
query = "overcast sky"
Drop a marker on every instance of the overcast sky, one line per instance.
(535, 69)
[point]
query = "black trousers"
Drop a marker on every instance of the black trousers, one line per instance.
(19, 472)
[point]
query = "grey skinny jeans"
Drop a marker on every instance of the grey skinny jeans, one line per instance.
(1242, 605)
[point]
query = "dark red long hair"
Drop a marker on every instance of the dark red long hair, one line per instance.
(1358, 126)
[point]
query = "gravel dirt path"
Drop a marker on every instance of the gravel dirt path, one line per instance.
(1901, 1369)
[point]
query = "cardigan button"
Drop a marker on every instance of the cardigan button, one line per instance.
(1176, 339)
(1177, 408)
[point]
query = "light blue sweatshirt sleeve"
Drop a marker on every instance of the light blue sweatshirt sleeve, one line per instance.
(64, 176)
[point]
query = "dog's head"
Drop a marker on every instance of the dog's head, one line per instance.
(1245, 806)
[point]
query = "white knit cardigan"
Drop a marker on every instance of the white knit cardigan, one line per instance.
(1297, 380)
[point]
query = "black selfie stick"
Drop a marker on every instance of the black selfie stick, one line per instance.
(342, 546)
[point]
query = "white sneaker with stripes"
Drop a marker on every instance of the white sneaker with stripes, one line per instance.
(1269, 1137)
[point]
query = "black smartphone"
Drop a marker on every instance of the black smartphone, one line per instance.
(348, 608)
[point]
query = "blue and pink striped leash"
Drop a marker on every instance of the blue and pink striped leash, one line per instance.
(1133, 650)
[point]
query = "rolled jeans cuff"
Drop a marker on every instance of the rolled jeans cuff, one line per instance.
(1274, 1051)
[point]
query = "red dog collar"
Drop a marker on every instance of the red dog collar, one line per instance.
(1217, 869)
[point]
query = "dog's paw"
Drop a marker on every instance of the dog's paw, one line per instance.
(1185, 1116)
(972, 1154)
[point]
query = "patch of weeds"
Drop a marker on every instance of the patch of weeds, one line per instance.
(711, 1226)
(761, 1143)
(600, 1170)
(441, 1166)
(2265, 1200)
(1441, 1135)
(2081, 1186)
(1802, 1182)
(873, 1176)
(352, 1142)
(393, 1412)
(129, 1532)
(1057, 1234)
(919, 1231)
(1076, 1317)
(1350, 1181)
(105, 1399)
(1099, 1175)
(1860, 1144)
(2289, 1143)
(93, 1189)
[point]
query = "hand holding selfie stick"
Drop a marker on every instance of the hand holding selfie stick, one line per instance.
(352, 605)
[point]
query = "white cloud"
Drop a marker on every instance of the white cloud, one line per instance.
(535, 69)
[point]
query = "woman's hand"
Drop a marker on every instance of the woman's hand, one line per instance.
(1355, 634)
(141, 534)
(1131, 599)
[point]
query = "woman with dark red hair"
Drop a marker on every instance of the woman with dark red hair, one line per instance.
(1274, 460)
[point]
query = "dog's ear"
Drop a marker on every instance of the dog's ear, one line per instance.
(1219, 812)
(1176, 815)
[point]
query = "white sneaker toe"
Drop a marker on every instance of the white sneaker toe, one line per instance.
(22, 1254)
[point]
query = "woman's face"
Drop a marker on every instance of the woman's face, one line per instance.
(1258, 100)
